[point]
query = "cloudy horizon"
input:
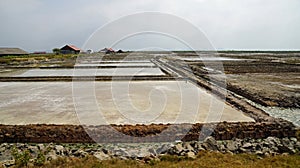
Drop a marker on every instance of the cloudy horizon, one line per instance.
(36, 25)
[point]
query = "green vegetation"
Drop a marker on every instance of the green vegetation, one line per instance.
(38, 56)
(204, 159)
(44, 60)
(40, 159)
(26, 159)
(21, 158)
(39, 59)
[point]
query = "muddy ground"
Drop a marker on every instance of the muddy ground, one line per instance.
(267, 79)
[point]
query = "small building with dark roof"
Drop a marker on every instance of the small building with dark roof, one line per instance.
(70, 49)
(107, 50)
(12, 51)
(120, 51)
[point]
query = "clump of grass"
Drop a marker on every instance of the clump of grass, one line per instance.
(21, 158)
(26, 159)
(4, 61)
(174, 158)
(204, 159)
(68, 59)
(91, 162)
(40, 159)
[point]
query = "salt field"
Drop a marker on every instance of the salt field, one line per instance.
(97, 61)
(209, 59)
(111, 103)
(92, 72)
(117, 64)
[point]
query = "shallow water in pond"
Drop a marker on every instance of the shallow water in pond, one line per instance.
(210, 59)
(97, 103)
(116, 64)
(92, 72)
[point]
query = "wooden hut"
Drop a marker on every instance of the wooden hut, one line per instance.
(70, 49)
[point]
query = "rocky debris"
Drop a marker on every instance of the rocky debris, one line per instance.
(164, 149)
(149, 151)
(191, 155)
(101, 155)
(210, 144)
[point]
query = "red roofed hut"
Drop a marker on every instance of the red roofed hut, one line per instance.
(107, 50)
(70, 49)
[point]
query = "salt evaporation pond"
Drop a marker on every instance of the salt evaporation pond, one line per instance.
(111, 103)
(209, 59)
(116, 64)
(97, 61)
(92, 72)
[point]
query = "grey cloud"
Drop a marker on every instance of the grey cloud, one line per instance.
(229, 24)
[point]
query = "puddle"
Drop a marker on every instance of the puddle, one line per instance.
(123, 102)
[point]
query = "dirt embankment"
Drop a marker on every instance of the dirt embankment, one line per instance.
(42, 133)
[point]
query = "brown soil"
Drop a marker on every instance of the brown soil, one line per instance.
(42, 133)
(268, 80)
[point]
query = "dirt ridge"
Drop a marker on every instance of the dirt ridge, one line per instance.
(43, 133)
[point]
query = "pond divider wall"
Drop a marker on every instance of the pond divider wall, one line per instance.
(42, 133)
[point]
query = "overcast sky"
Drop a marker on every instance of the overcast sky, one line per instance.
(40, 25)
